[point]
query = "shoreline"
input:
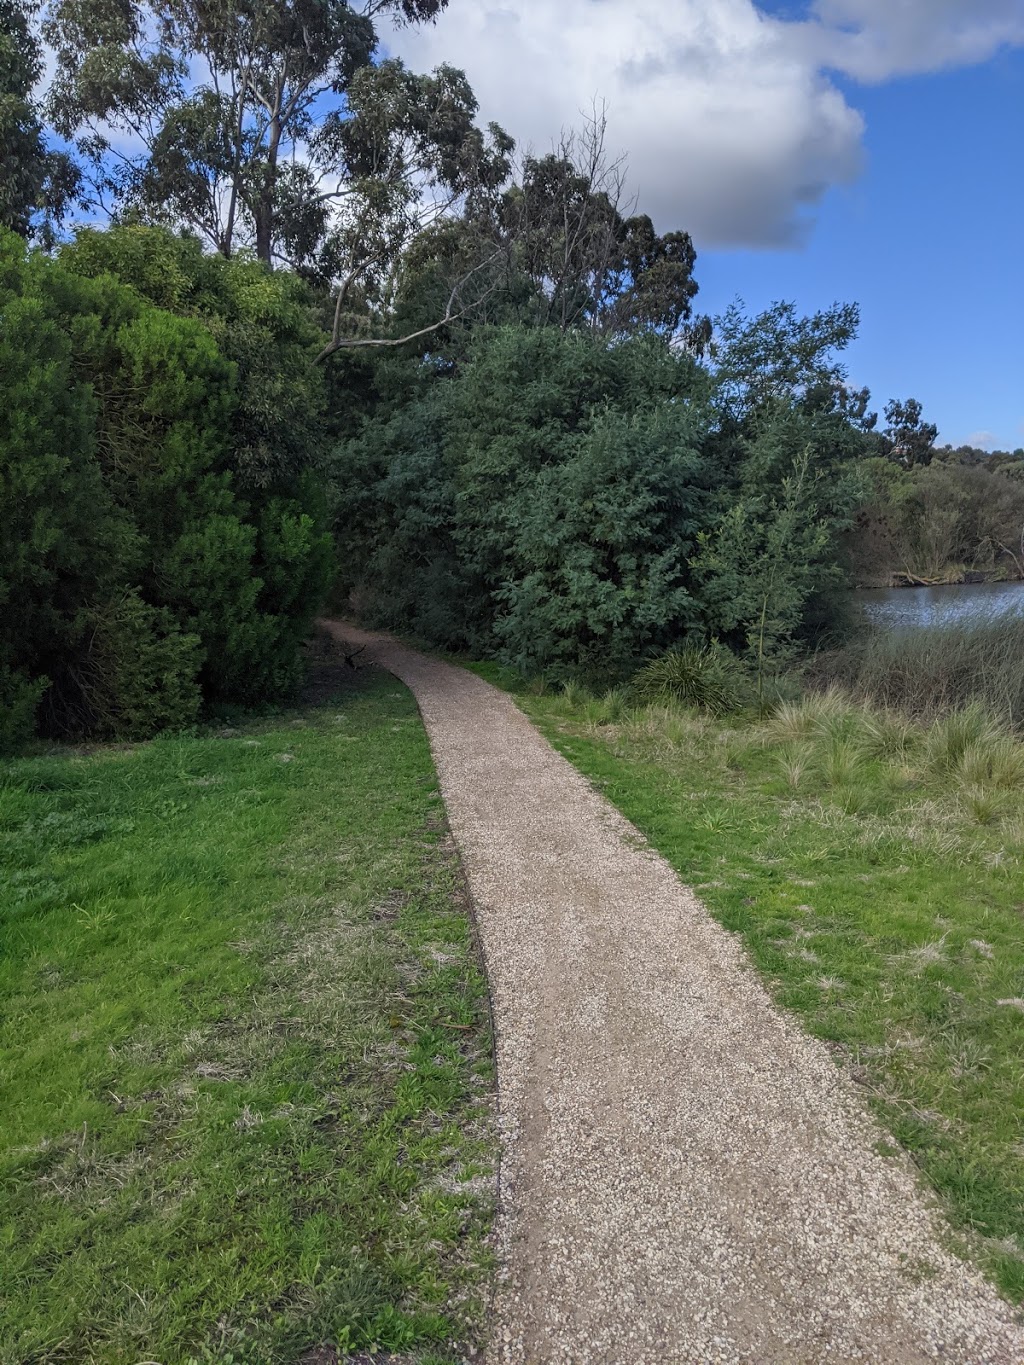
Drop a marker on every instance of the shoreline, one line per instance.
(963, 578)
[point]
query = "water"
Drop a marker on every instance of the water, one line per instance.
(968, 604)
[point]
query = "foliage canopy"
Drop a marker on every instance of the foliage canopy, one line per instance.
(139, 572)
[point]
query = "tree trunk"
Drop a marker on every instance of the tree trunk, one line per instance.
(264, 214)
(264, 228)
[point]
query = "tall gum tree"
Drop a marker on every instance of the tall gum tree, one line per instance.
(36, 182)
(270, 126)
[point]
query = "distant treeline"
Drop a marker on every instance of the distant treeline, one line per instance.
(990, 459)
(960, 515)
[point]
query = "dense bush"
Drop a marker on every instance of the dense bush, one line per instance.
(540, 503)
(769, 575)
(142, 673)
(63, 541)
(262, 322)
(140, 569)
(563, 502)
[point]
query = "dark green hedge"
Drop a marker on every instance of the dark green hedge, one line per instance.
(153, 555)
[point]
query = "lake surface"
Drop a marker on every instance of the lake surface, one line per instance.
(970, 603)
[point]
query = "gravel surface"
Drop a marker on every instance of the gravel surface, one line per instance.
(686, 1177)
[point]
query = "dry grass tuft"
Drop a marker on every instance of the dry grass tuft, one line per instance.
(927, 955)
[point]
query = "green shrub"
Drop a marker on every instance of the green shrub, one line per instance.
(262, 323)
(140, 672)
(19, 700)
(596, 574)
(235, 423)
(707, 677)
(135, 577)
(64, 544)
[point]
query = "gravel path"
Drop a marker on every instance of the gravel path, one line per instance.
(686, 1177)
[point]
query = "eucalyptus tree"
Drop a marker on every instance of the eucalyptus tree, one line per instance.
(561, 246)
(910, 440)
(272, 126)
(35, 181)
(596, 263)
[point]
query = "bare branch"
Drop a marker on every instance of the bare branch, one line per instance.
(338, 343)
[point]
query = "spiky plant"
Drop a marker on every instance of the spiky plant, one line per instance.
(706, 677)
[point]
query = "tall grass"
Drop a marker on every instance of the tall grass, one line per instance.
(933, 671)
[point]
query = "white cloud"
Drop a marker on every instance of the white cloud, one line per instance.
(873, 40)
(982, 440)
(733, 128)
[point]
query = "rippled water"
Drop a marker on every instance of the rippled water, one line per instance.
(978, 603)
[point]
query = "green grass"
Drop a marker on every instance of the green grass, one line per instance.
(245, 1064)
(874, 870)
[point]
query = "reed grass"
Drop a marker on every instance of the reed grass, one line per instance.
(932, 671)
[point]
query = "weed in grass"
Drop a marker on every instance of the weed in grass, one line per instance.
(790, 721)
(842, 761)
(888, 735)
(995, 762)
(715, 821)
(926, 955)
(951, 738)
(665, 725)
(820, 714)
(573, 696)
(969, 1058)
(829, 984)
(794, 762)
(857, 799)
(983, 804)
(607, 710)
(736, 748)
(615, 705)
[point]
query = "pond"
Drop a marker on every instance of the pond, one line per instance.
(966, 604)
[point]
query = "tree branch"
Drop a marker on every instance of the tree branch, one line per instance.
(339, 343)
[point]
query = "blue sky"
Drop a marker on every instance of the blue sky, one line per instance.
(817, 150)
(929, 240)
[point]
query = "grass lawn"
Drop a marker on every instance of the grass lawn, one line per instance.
(874, 870)
(245, 1062)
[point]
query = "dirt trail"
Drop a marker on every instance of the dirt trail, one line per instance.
(686, 1177)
